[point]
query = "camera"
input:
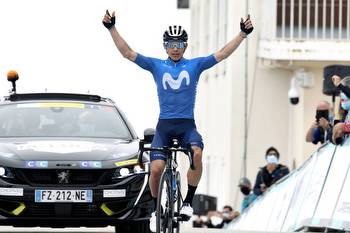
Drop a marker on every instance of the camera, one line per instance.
(293, 96)
(322, 114)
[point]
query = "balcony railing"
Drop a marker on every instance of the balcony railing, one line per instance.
(309, 19)
(305, 29)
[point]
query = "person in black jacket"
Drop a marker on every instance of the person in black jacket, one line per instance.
(321, 128)
(270, 173)
(342, 127)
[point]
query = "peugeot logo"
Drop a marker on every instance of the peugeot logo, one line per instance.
(63, 176)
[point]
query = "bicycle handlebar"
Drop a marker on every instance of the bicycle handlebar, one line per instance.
(167, 150)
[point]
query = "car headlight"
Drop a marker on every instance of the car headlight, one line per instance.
(6, 172)
(138, 169)
(125, 171)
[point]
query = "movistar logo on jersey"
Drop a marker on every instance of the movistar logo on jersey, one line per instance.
(175, 84)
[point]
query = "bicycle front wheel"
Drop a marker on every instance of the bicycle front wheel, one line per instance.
(165, 210)
(178, 202)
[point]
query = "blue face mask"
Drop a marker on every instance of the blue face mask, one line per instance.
(345, 101)
(346, 105)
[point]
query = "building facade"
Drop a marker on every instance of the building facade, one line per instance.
(242, 104)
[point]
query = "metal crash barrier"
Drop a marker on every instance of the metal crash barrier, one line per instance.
(315, 196)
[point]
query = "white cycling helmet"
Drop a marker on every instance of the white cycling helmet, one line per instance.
(175, 32)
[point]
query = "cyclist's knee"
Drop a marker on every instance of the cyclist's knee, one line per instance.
(157, 167)
(197, 154)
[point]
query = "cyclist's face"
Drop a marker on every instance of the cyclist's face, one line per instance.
(176, 52)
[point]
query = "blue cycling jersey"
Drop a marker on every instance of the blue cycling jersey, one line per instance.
(176, 83)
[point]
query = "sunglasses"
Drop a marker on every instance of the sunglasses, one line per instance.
(174, 44)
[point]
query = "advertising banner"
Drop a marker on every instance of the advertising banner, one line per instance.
(333, 186)
(282, 201)
(307, 193)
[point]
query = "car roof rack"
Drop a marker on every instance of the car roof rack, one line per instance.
(53, 96)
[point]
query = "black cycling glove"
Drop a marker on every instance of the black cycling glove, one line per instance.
(110, 24)
(246, 30)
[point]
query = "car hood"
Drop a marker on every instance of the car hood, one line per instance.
(65, 152)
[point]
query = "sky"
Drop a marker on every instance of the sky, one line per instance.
(61, 45)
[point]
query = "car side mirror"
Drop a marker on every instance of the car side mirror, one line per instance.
(148, 135)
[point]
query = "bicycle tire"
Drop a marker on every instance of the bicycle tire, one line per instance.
(165, 211)
(178, 199)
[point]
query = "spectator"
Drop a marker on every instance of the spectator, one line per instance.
(321, 129)
(343, 127)
(342, 85)
(217, 219)
(270, 173)
(248, 194)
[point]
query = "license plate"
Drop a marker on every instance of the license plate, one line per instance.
(63, 195)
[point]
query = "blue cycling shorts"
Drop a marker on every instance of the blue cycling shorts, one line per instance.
(184, 130)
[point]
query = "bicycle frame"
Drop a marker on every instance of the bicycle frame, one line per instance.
(171, 179)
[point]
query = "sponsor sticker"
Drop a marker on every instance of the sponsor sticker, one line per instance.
(90, 164)
(18, 192)
(39, 164)
(114, 193)
(62, 147)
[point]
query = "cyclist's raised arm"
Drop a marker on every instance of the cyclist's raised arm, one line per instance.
(230, 47)
(123, 47)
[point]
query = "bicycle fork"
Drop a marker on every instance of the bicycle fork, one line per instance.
(174, 180)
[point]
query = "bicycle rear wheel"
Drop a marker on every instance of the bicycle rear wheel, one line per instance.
(165, 204)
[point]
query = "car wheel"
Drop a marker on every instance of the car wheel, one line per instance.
(135, 227)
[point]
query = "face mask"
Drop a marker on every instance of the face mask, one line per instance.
(215, 220)
(272, 159)
(245, 190)
(346, 105)
(225, 214)
(345, 101)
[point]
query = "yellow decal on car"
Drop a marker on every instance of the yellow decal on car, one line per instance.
(62, 105)
(107, 210)
(19, 209)
(126, 162)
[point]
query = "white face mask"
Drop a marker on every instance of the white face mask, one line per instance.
(272, 159)
(215, 220)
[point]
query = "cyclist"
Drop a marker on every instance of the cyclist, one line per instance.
(176, 79)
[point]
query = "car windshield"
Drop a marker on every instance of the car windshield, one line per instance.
(62, 119)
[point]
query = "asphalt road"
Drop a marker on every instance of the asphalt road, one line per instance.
(50, 230)
(185, 228)
(107, 229)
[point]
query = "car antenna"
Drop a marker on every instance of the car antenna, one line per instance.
(12, 76)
